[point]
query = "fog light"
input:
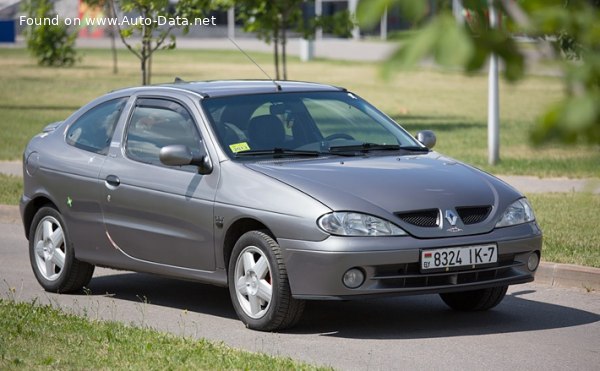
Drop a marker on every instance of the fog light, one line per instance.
(533, 261)
(353, 278)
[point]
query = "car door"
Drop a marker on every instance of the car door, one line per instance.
(153, 212)
(72, 178)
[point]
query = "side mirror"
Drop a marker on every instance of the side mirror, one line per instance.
(181, 155)
(427, 137)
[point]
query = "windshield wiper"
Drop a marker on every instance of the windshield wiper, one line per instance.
(367, 147)
(364, 147)
(415, 149)
(277, 152)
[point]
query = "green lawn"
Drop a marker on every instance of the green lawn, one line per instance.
(11, 188)
(40, 337)
(452, 104)
(569, 222)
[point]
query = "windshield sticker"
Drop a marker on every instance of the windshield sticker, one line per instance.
(239, 147)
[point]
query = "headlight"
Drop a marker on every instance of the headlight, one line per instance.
(356, 224)
(518, 212)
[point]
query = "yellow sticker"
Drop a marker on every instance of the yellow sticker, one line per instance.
(239, 147)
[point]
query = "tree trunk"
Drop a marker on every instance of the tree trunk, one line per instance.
(145, 53)
(276, 53)
(113, 45)
(149, 69)
(143, 67)
(283, 48)
(145, 56)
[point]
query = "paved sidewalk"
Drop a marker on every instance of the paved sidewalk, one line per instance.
(363, 50)
(11, 168)
(532, 184)
(341, 49)
(526, 184)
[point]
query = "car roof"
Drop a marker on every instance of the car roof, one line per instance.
(220, 88)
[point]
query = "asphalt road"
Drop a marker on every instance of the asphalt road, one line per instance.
(536, 327)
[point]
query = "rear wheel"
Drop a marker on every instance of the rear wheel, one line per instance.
(476, 300)
(51, 254)
(258, 284)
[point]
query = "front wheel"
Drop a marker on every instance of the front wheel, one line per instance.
(258, 284)
(476, 300)
(51, 254)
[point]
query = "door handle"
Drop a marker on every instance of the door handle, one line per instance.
(113, 180)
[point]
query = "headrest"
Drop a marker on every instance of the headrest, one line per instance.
(266, 132)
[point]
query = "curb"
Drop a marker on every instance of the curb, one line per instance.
(553, 274)
(568, 275)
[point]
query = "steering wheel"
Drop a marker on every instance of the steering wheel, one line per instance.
(339, 136)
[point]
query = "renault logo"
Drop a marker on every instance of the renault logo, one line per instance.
(451, 217)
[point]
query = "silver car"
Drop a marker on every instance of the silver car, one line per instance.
(281, 191)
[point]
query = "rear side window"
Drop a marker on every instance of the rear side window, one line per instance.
(94, 129)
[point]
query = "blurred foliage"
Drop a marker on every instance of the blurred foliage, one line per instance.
(51, 44)
(571, 29)
(272, 20)
(154, 36)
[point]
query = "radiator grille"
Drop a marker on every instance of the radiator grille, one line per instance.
(473, 214)
(422, 218)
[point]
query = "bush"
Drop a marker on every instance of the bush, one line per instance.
(50, 44)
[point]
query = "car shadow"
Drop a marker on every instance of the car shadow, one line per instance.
(426, 316)
(405, 317)
(166, 292)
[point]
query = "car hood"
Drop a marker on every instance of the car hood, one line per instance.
(402, 189)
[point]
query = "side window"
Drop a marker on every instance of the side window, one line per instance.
(94, 129)
(156, 123)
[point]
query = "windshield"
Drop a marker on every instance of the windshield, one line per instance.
(302, 123)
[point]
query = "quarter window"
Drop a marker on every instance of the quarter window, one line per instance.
(157, 123)
(94, 129)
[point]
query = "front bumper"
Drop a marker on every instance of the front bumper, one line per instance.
(391, 264)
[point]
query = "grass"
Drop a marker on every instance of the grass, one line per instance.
(569, 222)
(452, 104)
(35, 336)
(11, 188)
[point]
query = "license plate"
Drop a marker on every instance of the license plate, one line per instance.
(451, 257)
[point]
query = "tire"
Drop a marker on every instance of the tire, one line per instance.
(51, 254)
(258, 284)
(476, 300)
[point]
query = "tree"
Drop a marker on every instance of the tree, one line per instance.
(52, 43)
(271, 20)
(567, 29)
(155, 21)
(106, 5)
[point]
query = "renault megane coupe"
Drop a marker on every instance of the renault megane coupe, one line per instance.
(281, 191)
